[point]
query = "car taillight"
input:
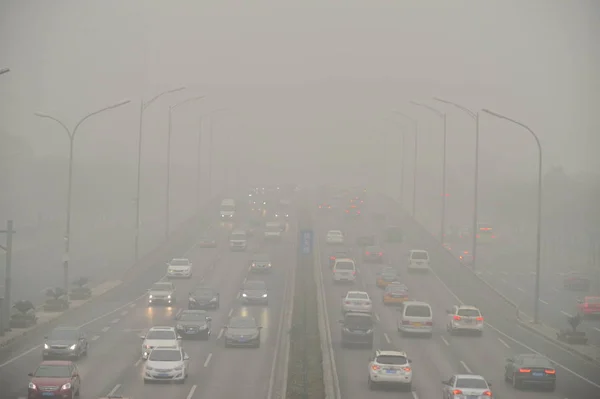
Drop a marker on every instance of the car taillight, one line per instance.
(332, 257)
(320, 206)
(477, 235)
(367, 253)
(358, 212)
(550, 371)
(524, 370)
(456, 317)
(367, 303)
(406, 368)
(429, 323)
(493, 236)
(487, 393)
(405, 323)
(585, 305)
(479, 319)
(354, 273)
(457, 392)
(375, 367)
(381, 254)
(347, 211)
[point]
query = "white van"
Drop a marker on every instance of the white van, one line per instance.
(418, 260)
(415, 318)
(238, 240)
(227, 209)
(344, 269)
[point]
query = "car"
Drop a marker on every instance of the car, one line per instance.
(576, 281)
(273, 230)
(204, 298)
(530, 369)
(65, 342)
(393, 234)
(56, 379)
(324, 205)
(238, 240)
(416, 317)
(179, 267)
(255, 292)
(207, 240)
(373, 254)
(390, 368)
(589, 306)
(466, 258)
(447, 246)
(334, 237)
(167, 363)
(340, 253)
(366, 241)
(193, 324)
(162, 293)
(344, 269)
(386, 277)
(395, 294)
(461, 386)
(352, 211)
(464, 318)
(418, 260)
(356, 301)
(159, 336)
(357, 329)
(260, 263)
(242, 331)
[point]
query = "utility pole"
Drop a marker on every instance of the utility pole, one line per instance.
(5, 312)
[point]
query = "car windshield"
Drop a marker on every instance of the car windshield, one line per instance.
(419, 255)
(260, 258)
(204, 292)
(165, 355)
(358, 321)
(389, 273)
(273, 227)
(192, 317)
(357, 295)
(469, 312)
(537, 362)
(227, 208)
(180, 262)
(593, 299)
(473, 383)
(161, 287)
(242, 322)
(374, 249)
(335, 233)
(52, 371)
(396, 289)
(161, 334)
(344, 266)
(64, 335)
(254, 285)
(395, 360)
(417, 311)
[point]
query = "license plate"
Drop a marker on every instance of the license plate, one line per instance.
(417, 324)
(538, 374)
(469, 321)
(390, 371)
(473, 397)
(163, 375)
(47, 393)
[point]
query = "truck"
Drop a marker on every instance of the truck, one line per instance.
(227, 209)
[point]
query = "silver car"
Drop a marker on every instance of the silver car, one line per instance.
(356, 301)
(242, 331)
(255, 292)
(461, 386)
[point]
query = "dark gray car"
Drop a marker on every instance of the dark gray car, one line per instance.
(65, 342)
(255, 292)
(357, 329)
(193, 324)
(204, 298)
(242, 331)
(260, 263)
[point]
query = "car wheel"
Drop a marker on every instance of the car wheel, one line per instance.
(515, 383)
(506, 377)
(480, 333)
(77, 392)
(408, 387)
(552, 387)
(371, 384)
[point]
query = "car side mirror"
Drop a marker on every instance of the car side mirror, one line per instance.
(489, 384)
(208, 318)
(186, 357)
(579, 300)
(30, 374)
(509, 360)
(409, 361)
(179, 338)
(142, 337)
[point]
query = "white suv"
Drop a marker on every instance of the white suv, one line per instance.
(356, 301)
(344, 269)
(167, 363)
(390, 367)
(464, 318)
(179, 267)
(334, 237)
(159, 336)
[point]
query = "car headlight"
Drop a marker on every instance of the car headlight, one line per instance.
(179, 327)
(244, 295)
(368, 331)
(264, 295)
(147, 347)
(32, 386)
(192, 299)
(254, 265)
(178, 368)
(168, 296)
(269, 265)
(150, 296)
(66, 386)
(46, 346)
(214, 300)
(72, 347)
(148, 368)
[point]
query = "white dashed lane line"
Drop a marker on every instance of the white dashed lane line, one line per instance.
(191, 394)
(208, 359)
(137, 363)
(544, 302)
(520, 289)
(445, 341)
(503, 342)
(230, 312)
(123, 313)
(565, 313)
(115, 321)
(115, 389)
(387, 338)
(94, 338)
(221, 333)
(377, 317)
(466, 367)
(105, 329)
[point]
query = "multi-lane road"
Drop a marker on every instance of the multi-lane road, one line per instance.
(115, 322)
(437, 358)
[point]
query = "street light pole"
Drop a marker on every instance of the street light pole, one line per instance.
(143, 106)
(210, 145)
(443, 116)
(71, 135)
(168, 188)
(415, 160)
(198, 166)
(475, 117)
(536, 304)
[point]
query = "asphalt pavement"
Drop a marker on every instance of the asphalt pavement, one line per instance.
(115, 322)
(437, 358)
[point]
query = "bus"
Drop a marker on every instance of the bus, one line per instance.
(485, 233)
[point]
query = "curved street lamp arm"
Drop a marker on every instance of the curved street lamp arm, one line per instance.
(97, 112)
(414, 121)
(497, 115)
(42, 115)
(4, 70)
(172, 107)
(434, 110)
(146, 104)
(462, 108)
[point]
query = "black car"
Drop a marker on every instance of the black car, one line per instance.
(65, 342)
(207, 240)
(357, 329)
(193, 324)
(204, 298)
(530, 369)
(339, 254)
(373, 254)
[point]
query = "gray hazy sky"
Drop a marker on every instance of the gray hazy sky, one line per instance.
(306, 76)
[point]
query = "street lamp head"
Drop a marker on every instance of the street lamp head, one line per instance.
(120, 103)
(41, 115)
(4, 70)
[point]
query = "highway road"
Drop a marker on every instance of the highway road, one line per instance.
(115, 322)
(437, 358)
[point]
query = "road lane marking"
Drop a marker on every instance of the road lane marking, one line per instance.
(245, 279)
(597, 329)
(192, 392)
(503, 342)
(230, 312)
(115, 321)
(239, 294)
(504, 280)
(208, 359)
(504, 273)
(565, 313)
(221, 333)
(542, 301)
(387, 338)
(105, 329)
(414, 394)
(377, 317)
(446, 342)
(133, 305)
(115, 389)
(123, 313)
(137, 363)
(520, 289)
(556, 290)
(466, 367)
(94, 338)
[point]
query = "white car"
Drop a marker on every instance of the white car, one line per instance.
(159, 336)
(334, 237)
(167, 363)
(356, 301)
(273, 230)
(415, 318)
(418, 260)
(462, 386)
(344, 269)
(464, 318)
(179, 267)
(390, 367)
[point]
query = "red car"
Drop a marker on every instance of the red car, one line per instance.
(57, 379)
(589, 306)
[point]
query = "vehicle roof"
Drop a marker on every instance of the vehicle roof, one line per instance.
(166, 347)
(390, 353)
(246, 317)
(56, 363)
(66, 328)
(359, 314)
(344, 260)
(418, 250)
(162, 328)
(470, 376)
(389, 269)
(334, 231)
(591, 297)
(467, 307)
(356, 292)
(192, 311)
(261, 282)
(373, 246)
(419, 303)
(174, 259)
(238, 231)
(261, 255)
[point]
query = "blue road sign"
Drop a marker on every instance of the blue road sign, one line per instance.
(306, 241)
